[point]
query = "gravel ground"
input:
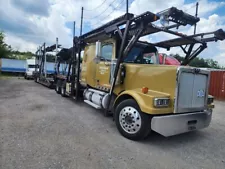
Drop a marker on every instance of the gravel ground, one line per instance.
(40, 129)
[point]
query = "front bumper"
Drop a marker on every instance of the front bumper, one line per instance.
(170, 125)
(29, 74)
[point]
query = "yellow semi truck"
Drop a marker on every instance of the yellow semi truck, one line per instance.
(121, 75)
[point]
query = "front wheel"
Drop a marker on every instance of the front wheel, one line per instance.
(131, 122)
(35, 79)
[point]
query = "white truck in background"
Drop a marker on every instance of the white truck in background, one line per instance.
(30, 68)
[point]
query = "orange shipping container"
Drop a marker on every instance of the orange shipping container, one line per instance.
(217, 84)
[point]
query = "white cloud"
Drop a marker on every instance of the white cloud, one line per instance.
(141, 6)
(20, 44)
(205, 7)
(220, 57)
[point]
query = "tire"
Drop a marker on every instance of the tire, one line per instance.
(63, 91)
(25, 76)
(57, 87)
(35, 79)
(125, 113)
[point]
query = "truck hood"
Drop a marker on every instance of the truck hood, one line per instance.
(159, 78)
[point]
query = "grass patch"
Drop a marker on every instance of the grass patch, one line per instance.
(4, 75)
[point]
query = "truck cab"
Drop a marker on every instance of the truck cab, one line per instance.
(145, 89)
(123, 76)
(30, 68)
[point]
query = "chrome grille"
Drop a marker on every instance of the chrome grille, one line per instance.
(192, 90)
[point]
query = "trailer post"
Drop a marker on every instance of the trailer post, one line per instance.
(45, 67)
(120, 56)
(78, 59)
(73, 51)
(81, 21)
(56, 51)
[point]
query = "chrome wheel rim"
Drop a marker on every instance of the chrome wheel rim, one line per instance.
(130, 120)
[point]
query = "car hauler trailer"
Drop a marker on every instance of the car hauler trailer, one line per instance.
(41, 74)
(63, 60)
(121, 75)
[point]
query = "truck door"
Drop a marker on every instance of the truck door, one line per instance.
(103, 66)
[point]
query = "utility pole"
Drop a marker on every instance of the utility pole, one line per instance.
(74, 29)
(127, 8)
(81, 21)
(196, 14)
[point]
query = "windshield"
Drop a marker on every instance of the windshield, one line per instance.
(142, 55)
(31, 66)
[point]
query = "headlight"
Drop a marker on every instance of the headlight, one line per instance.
(210, 99)
(161, 102)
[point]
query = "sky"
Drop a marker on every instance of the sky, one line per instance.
(28, 23)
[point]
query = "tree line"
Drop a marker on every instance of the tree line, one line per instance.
(6, 51)
(201, 62)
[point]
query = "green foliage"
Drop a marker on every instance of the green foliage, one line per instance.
(4, 48)
(200, 62)
(6, 51)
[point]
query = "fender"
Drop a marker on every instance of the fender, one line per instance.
(145, 101)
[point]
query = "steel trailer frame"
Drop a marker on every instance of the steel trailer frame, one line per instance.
(42, 76)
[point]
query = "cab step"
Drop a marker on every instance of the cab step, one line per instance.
(92, 104)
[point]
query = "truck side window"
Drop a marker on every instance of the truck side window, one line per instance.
(107, 51)
(132, 57)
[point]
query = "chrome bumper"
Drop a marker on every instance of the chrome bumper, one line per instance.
(169, 125)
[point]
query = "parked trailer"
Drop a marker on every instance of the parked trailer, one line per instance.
(62, 70)
(19, 66)
(122, 76)
(13, 65)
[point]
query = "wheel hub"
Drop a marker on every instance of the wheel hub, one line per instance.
(130, 120)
